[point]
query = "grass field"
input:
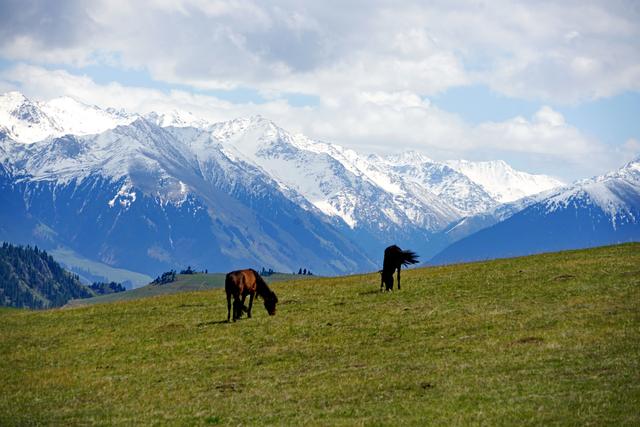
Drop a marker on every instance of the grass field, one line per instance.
(543, 340)
(183, 283)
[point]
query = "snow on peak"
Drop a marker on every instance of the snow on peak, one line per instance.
(23, 120)
(410, 157)
(75, 117)
(633, 166)
(232, 130)
(177, 118)
(27, 121)
(616, 193)
(501, 181)
(11, 100)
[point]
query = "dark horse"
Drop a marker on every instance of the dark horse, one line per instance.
(241, 283)
(394, 259)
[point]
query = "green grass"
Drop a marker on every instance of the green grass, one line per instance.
(183, 283)
(544, 340)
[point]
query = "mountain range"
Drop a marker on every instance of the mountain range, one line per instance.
(591, 212)
(163, 190)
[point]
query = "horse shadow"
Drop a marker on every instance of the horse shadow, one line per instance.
(211, 323)
(373, 292)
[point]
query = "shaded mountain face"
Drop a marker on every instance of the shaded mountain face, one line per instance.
(168, 190)
(598, 211)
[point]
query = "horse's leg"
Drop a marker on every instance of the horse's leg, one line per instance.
(244, 307)
(399, 268)
(240, 307)
(229, 307)
(237, 311)
(251, 295)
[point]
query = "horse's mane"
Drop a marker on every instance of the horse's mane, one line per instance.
(262, 289)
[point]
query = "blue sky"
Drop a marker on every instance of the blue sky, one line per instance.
(611, 120)
(551, 88)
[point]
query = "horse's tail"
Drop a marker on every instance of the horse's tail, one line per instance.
(408, 257)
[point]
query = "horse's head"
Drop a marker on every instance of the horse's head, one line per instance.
(270, 302)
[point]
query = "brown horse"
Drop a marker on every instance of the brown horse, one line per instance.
(394, 259)
(241, 283)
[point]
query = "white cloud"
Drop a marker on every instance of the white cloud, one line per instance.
(554, 51)
(546, 116)
(630, 150)
(546, 143)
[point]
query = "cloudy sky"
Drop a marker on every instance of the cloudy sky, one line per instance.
(551, 87)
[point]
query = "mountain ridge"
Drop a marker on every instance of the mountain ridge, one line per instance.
(59, 112)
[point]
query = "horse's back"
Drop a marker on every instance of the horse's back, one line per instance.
(394, 256)
(390, 257)
(392, 250)
(240, 281)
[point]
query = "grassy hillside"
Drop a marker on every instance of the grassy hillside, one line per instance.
(548, 339)
(183, 283)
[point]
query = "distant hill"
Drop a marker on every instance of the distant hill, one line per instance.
(183, 283)
(31, 278)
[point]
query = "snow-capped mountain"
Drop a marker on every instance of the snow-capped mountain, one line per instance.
(597, 211)
(335, 180)
(138, 197)
(501, 181)
(26, 121)
(262, 195)
(176, 118)
(465, 195)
